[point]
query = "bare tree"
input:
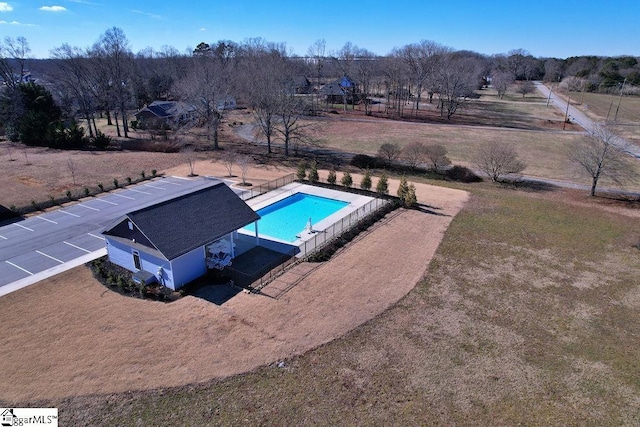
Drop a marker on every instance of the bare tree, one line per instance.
(291, 127)
(498, 159)
(436, 154)
(458, 77)
(244, 162)
(229, 159)
(526, 87)
(114, 55)
(190, 156)
(414, 153)
(601, 155)
(389, 152)
(501, 80)
(72, 167)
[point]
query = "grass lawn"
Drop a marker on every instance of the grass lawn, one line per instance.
(529, 315)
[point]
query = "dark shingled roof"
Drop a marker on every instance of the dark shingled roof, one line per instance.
(182, 224)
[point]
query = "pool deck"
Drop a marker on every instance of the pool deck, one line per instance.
(356, 201)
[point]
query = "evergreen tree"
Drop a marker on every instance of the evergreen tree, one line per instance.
(403, 189)
(313, 173)
(301, 174)
(331, 179)
(383, 184)
(347, 181)
(366, 180)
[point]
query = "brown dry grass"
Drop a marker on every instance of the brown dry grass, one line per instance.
(90, 340)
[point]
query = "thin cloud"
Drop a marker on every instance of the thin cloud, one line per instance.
(16, 23)
(5, 7)
(54, 8)
(150, 15)
(203, 29)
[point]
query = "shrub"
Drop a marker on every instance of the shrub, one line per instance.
(154, 173)
(365, 184)
(116, 184)
(34, 205)
(363, 161)
(313, 173)
(134, 124)
(301, 173)
(69, 195)
(86, 192)
(462, 174)
(382, 187)
(142, 175)
(410, 198)
(101, 186)
(128, 180)
(347, 181)
(331, 179)
(13, 208)
(52, 200)
(101, 141)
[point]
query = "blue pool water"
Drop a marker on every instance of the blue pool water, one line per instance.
(288, 217)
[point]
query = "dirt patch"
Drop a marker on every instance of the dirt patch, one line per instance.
(89, 340)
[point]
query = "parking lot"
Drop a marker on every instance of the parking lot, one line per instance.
(46, 244)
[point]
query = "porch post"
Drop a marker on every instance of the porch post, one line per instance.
(257, 238)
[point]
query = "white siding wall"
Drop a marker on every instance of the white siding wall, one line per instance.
(189, 267)
(122, 255)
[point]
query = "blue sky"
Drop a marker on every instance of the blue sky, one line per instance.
(558, 28)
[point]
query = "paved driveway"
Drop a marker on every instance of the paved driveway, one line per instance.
(47, 244)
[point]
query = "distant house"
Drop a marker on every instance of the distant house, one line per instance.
(176, 241)
(159, 114)
(299, 85)
(343, 90)
(228, 103)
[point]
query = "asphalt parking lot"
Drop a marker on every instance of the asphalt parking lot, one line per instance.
(47, 244)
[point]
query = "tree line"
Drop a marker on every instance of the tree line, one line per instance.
(78, 84)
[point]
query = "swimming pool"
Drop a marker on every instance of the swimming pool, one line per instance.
(287, 218)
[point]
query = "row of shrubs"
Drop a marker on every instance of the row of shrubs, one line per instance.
(119, 279)
(86, 192)
(454, 173)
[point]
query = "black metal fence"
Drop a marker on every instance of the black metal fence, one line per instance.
(268, 186)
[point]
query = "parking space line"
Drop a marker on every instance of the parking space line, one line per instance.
(49, 256)
(153, 186)
(97, 237)
(124, 197)
(20, 268)
(68, 213)
(180, 177)
(2, 237)
(137, 191)
(45, 219)
(22, 226)
(169, 182)
(88, 207)
(77, 247)
(106, 201)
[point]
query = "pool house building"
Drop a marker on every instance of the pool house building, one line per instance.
(176, 241)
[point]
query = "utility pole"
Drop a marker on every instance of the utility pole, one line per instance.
(566, 114)
(615, 119)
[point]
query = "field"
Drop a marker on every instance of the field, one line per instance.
(528, 313)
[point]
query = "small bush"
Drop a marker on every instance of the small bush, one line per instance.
(462, 174)
(69, 195)
(154, 173)
(116, 184)
(128, 180)
(363, 161)
(87, 192)
(34, 205)
(101, 186)
(142, 175)
(101, 141)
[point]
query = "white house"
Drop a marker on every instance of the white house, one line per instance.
(174, 242)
